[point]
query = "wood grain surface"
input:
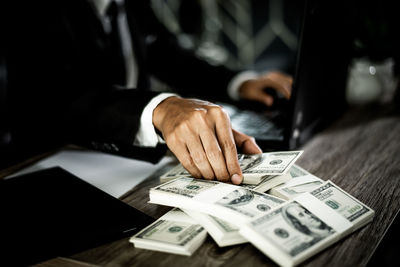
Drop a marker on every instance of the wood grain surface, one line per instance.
(360, 153)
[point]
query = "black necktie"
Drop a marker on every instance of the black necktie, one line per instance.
(117, 56)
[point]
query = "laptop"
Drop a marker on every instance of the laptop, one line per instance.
(52, 213)
(318, 92)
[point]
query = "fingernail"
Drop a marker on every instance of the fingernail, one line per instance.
(236, 179)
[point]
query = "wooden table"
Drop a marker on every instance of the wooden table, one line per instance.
(360, 153)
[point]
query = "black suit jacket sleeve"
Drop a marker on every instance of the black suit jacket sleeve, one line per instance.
(58, 85)
(59, 66)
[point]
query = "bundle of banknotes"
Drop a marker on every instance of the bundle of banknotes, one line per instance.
(255, 168)
(174, 232)
(295, 219)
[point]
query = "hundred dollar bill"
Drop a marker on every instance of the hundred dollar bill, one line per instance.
(295, 187)
(343, 203)
(268, 182)
(225, 201)
(301, 181)
(184, 186)
(273, 163)
(175, 232)
(295, 190)
(223, 233)
(248, 202)
(298, 229)
(297, 171)
(289, 234)
(254, 167)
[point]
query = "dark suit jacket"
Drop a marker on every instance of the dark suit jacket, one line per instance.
(60, 78)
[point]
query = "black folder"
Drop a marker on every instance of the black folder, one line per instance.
(53, 213)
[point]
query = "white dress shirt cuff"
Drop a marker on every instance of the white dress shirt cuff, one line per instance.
(147, 136)
(236, 82)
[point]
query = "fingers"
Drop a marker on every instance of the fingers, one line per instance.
(196, 145)
(280, 82)
(186, 144)
(200, 135)
(215, 155)
(228, 146)
(205, 149)
(254, 89)
(247, 143)
(199, 157)
(182, 153)
(264, 98)
(279, 86)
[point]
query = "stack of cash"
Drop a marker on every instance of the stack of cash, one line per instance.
(223, 233)
(300, 181)
(302, 227)
(210, 203)
(268, 182)
(175, 232)
(300, 216)
(227, 234)
(287, 231)
(255, 168)
(224, 201)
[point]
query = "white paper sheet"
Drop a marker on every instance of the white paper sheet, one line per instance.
(113, 174)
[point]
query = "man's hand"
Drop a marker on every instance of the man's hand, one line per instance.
(254, 89)
(199, 133)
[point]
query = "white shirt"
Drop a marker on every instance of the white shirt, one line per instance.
(147, 136)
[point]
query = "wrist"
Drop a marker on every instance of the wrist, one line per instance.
(161, 111)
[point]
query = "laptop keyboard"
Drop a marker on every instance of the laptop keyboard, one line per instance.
(254, 124)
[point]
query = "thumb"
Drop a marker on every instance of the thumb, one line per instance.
(282, 83)
(265, 99)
